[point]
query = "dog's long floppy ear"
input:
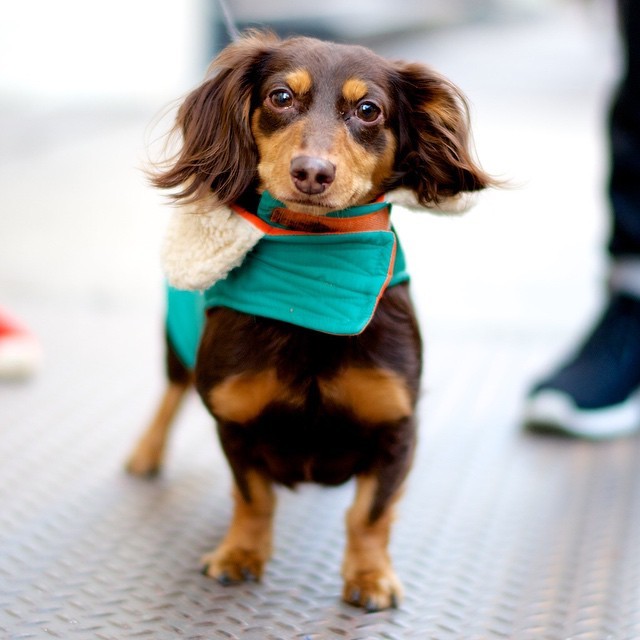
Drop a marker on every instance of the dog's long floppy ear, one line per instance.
(218, 155)
(434, 161)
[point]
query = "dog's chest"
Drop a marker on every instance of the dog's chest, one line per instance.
(310, 443)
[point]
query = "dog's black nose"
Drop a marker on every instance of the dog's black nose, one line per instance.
(312, 175)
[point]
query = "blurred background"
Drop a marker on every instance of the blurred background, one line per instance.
(83, 87)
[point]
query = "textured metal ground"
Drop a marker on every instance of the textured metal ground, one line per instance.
(501, 534)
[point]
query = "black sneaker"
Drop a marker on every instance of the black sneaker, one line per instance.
(596, 394)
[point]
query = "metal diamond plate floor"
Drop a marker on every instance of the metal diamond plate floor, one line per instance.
(500, 535)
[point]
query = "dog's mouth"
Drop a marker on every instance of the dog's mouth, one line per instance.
(320, 204)
(316, 205)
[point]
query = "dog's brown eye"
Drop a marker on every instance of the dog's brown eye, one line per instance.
(281, 99)
(368, 111)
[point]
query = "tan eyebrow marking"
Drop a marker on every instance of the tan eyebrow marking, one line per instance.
(354, 89)
(300, 81)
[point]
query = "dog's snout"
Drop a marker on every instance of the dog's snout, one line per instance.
(312, 175)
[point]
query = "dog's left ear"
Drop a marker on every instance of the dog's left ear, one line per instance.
(434, 160)
(218, 156)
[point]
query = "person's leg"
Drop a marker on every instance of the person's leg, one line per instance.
(596, 392)
(624, 141)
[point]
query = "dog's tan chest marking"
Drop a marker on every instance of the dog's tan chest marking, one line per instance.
(243, 397)
(300, 81)
(372, 395)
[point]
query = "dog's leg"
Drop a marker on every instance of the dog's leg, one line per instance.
(148, 454)
(247, 546)
(369, 578)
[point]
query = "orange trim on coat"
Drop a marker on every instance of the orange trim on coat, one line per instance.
(308, 224)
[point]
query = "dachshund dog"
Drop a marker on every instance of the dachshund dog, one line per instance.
(322, 130)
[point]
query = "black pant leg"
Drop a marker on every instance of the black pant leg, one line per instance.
(624, 131)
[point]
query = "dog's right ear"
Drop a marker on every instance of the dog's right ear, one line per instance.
(218, 155)
(434, 159)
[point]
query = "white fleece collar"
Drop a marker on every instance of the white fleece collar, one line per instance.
(201, 247)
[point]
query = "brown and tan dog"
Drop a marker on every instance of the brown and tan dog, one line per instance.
(322, 127)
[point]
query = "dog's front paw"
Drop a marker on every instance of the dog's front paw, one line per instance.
(143, 463)
(233, 565)
(373, 590)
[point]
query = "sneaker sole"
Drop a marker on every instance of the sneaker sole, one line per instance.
(553, 411)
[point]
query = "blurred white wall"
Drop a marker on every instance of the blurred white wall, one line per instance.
(151, 50)
(124, 50)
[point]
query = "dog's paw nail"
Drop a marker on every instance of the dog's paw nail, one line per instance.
(143, 471)
(354, 596)
(205, 570)
(371, 606)
(249, 575)
(225, 579)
